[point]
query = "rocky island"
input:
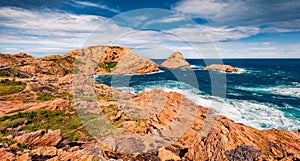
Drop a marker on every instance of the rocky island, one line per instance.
(221, 67)
(176, 60)
(39, 120)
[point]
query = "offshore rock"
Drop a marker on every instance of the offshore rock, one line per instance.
(176, 60)
(221, 67)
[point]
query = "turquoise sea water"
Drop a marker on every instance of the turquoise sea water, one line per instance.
(265, 93)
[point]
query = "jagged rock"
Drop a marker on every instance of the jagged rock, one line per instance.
(131, 63)
(40, 138)
(56, 104)
(165, 155)
(113, 59)
(221, 67)
(205, 136)
(89, 153)
(242, 152)
(6, 155)
(228, 137)
(176, 60)
(24, 157)
(45, 151)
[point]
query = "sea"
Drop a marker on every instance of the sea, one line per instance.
(264, 93)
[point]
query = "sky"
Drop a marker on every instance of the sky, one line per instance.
(154, 29)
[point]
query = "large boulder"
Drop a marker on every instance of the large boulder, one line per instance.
(221, 67)
(176, 60)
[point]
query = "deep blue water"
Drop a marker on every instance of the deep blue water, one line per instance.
(265, 93)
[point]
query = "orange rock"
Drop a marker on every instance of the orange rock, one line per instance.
(24, 157)
(6, 155)
(164, 155)
(221, 67)
(40, 138)
(176, 60)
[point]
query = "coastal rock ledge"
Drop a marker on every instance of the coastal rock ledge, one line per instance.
(176, 60)
(221, 67)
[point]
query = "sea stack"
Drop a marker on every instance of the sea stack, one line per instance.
(176, 60)
(221, 67)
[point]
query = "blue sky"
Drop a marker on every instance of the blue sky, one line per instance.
(219, 28)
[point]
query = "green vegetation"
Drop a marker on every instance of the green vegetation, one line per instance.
(41, 96)
(45, 119)
(13, 123)
(105, 98)
(11, 86)
(108, 66)
(74, 136)
(10, 142)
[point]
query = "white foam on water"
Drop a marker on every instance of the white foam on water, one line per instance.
(284, 90)
(251, 113)
(196, 66)
(241, 71)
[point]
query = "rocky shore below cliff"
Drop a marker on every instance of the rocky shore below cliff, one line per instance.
(40, 119)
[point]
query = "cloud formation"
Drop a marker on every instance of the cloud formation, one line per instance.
(46, 30)
(236, 12)
(43, 32)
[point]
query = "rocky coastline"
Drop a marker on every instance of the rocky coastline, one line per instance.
(39, 119)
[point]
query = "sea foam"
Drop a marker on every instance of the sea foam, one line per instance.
(252, 113)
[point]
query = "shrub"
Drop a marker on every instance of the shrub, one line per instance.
(8, 87)
(44, 96)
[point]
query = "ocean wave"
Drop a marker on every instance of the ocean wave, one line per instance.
(196, 66)
(241, 71)
(277, 90)
(252, 113)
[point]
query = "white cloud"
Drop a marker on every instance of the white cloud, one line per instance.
(101, 6)
(44, 31)
(203, 8)
(47, 32)
(257, 50)
(47, 21)
(214, 34)
(235, 12)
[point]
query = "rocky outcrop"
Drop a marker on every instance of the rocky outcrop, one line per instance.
(200, 135)
(6, 154)
(176, 60)
(131, 63)
(113, 59)
(155, 125)
(102, 59)
(165, 155)
(221, 67)
(40, 138)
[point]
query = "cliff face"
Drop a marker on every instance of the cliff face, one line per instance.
(176, 60)
(221, 67)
